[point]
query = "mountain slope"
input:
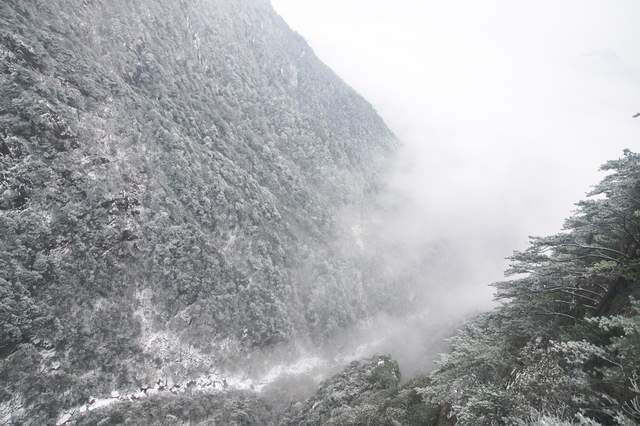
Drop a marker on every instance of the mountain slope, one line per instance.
(171, 174)
(563, 346)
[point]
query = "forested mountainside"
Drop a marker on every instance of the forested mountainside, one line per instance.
(562, 348)
(171, 178)
(367, 392)
(564, 345)
(174, 182)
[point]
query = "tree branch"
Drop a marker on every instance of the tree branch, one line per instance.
(592, 248)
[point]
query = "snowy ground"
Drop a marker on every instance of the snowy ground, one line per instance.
(212, 383)
(383, 335)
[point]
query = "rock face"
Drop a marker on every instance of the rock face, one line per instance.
(171, 174)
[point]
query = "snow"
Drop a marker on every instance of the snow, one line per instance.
(358, 234)
(219, 382)
(302, 366)
(63, 419)
(164, 343)
(12, 407)
(210, 383)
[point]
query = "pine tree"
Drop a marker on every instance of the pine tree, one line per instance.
(565, 339)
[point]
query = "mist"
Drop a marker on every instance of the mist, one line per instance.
(504, 111)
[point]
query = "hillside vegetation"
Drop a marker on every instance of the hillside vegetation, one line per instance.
(564, 345)
(188, 220)
(562, 348)
(171, 177)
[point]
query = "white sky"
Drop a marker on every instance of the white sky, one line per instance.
(506, 108)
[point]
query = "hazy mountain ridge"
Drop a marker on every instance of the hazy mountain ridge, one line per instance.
(171, 178)
(184, 189)
(561, 348)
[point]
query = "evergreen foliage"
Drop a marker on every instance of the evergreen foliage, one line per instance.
(367, 392)
(171, 174)
(565, 340)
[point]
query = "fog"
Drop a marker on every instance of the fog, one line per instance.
(505, 111)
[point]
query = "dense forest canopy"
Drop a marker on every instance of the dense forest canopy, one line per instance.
(560, 349)
(187, 193)
(171, 174)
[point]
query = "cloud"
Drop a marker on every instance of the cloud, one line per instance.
(505, 109)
